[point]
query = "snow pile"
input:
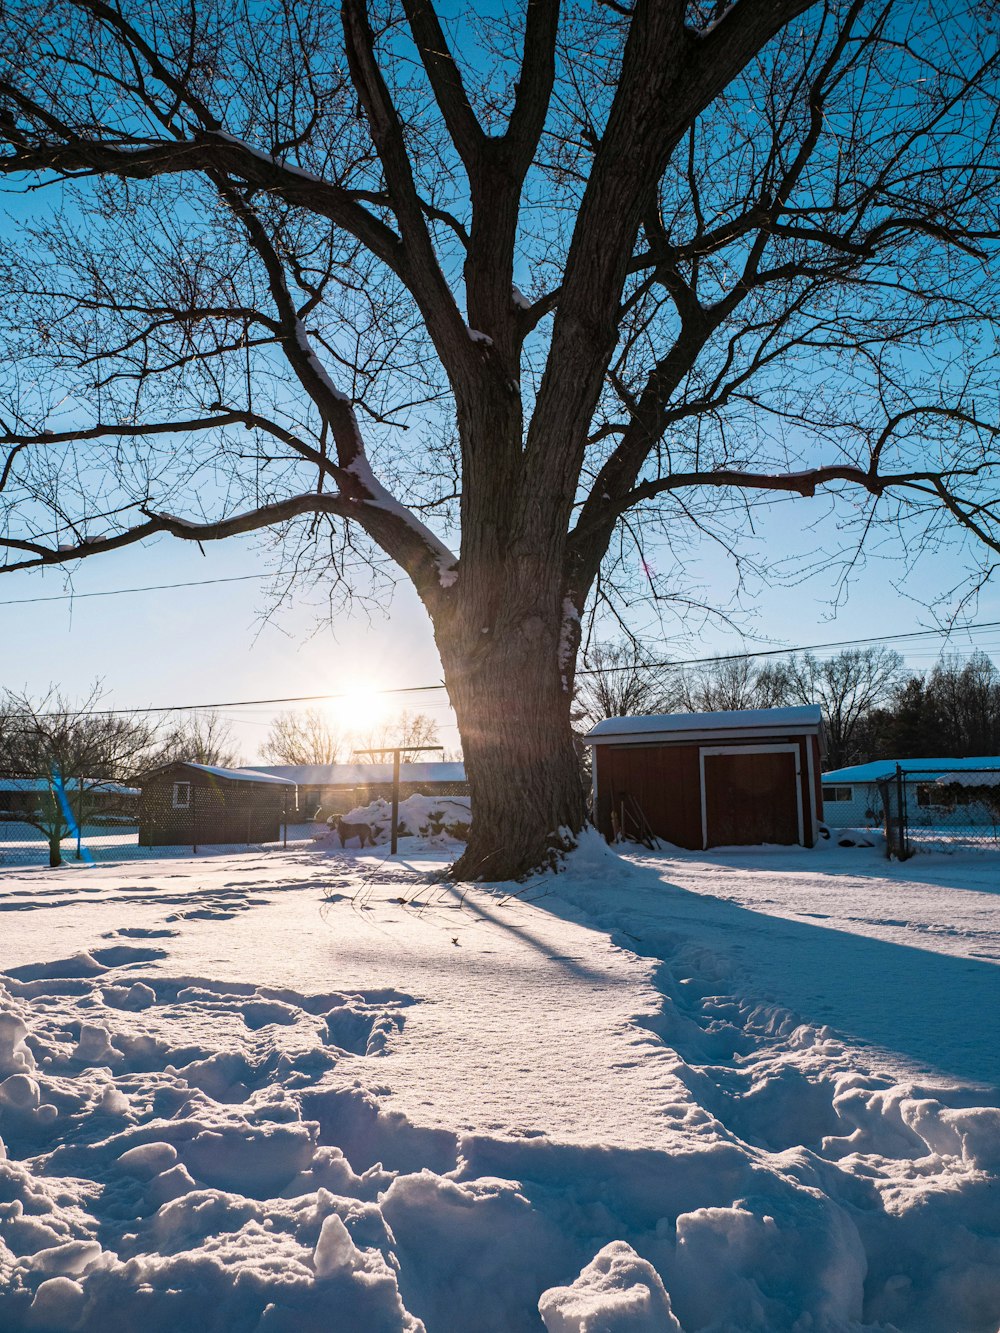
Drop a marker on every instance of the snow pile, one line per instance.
(437, 818)
(617, 1293)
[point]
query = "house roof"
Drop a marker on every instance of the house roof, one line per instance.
(879, 769)
(235, 774)
(357, 775)
(106, 787)
(963, 778)
(744, 722)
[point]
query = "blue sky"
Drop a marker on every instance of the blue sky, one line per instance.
(200, 644)
(208, 643)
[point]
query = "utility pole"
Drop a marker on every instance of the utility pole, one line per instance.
(396, 751)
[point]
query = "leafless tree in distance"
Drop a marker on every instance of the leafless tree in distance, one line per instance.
(501, 308)
(402, 730)
(306, 736)
(849, 687)
(731, 682)
(73, 750)
(204, 737)
(618, 680)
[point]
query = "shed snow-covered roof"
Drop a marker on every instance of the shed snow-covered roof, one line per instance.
(357, 775)
(802, 718)
(878, 769)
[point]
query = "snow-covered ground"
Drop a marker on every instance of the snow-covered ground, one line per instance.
(320, 1089)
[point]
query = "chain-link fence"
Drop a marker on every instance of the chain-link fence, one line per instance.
(55, 820)
(931, 810)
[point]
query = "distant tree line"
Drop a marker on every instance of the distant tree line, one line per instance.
(69, 751)
(311, 736)
(873, 706)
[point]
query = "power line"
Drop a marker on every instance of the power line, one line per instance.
(121, 592)
(802, 648)
(246, 703)
(427, 689)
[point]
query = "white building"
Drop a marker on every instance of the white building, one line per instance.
(851, 797)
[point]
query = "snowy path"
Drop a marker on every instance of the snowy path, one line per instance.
(298, 1091)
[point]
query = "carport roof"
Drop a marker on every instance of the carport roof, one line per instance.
(802, 718)
(879, 769)
(234, 774)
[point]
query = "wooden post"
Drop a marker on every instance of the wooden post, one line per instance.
(396, 751)
(395, 803)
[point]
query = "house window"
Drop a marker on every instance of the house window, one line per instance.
(943, 796)
(832, 795)
(182, 795)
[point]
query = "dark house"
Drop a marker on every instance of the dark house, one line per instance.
(185, 804)
(334, 789)
(710, 779)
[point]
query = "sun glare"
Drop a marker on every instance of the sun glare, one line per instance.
(360, 711)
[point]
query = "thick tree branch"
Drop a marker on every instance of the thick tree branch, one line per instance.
(213, 151)
(534, 87)
(424, 278)
(446, 81)
(429, 569)
(668, 76)
(804, 483)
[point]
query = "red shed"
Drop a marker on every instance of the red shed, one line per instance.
(711, 779)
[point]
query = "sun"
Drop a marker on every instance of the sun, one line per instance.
(359, 710)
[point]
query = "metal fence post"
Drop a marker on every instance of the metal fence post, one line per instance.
(194, 817)
(901, 804)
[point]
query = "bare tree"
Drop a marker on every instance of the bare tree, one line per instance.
(849, 688)
(303, 737)
(577, 283)
(76, 753)
(405, 729)
(618, 680)
(730, 683)
(199, 738)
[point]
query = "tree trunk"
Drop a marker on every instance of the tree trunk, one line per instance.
(55, 850)
(512, 695)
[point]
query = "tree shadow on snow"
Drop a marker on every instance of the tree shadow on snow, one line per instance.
(939, 1011)
(966, 871)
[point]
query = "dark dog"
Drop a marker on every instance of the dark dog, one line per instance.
(363, 832)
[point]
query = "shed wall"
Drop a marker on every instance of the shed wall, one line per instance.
(220, 812)
(665, 781)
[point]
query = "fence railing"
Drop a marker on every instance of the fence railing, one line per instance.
(935, 810)
(55, 820)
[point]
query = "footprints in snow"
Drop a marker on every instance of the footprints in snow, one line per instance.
(87, 963)
(153, 1126)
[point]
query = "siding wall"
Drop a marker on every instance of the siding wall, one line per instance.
(855, 812)
(665, 781)
(221, 811)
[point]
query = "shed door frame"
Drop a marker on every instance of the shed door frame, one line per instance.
(706, 752)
